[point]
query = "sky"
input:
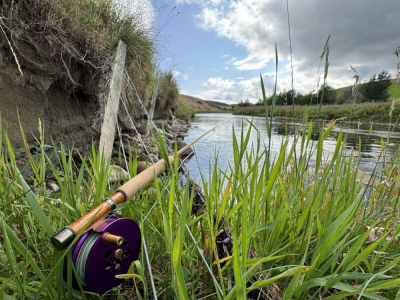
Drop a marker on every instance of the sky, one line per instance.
(218, 48)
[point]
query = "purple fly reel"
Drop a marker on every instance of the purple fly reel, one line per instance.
(97, 260)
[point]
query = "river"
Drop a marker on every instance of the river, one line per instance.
(220, 140)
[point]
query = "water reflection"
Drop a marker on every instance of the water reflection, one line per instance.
(220, 141)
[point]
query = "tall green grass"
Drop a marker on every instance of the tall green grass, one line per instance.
(301, 229)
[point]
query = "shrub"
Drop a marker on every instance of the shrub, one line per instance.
(167, 90)
(377, 88)
(184, 112)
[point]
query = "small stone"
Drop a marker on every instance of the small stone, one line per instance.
(181, 144)
(117, 174)
(153, 158)
(52, 185)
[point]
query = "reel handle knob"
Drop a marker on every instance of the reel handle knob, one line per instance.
(109, 238)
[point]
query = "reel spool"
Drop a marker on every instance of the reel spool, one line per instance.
(107, 251)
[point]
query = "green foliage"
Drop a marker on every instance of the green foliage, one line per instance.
(286, 97)
(167, 90)
(376, 112)
(377, 88)
(184, 112)
(394, 90)
(245, 103)
(304, 99)
(328, 94)
(345, 95)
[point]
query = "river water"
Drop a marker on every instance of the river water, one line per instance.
(220, 140)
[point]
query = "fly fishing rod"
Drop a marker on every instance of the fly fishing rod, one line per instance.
(110, 243)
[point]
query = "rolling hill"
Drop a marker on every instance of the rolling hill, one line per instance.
(199, 105)
(189, 105)
(394, 90)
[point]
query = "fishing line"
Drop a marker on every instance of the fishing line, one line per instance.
(81, 260)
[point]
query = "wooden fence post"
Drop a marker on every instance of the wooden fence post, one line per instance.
(112, 105)
(152, 106)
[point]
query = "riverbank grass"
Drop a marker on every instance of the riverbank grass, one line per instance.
(296, 227)
(369, 112)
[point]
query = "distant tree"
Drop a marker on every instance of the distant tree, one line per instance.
(285, 97)
(351, 95)
(377, 88)
(245, 103)
(346, 96)
(303, 99)
(327, 93)
(260, 102)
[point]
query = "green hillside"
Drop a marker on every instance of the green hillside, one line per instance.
(189, 105)
(394, 90)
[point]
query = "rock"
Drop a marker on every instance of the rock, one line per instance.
(52, 185)
(224, 243)
(141, 126)
(167, 128)
(170, 144)
(38, 149)
(182, 167)
(126, 137)
(180, 144)
(153, 158)
(198, 197)
(169, 136)
(117, 174)
(153, 150)
(180, 127)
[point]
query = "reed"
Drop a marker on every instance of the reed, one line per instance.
(301, 229)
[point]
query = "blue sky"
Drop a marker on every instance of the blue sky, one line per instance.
(218, 49)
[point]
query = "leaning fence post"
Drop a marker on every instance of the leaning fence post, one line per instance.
(152, 106)
(111, 110)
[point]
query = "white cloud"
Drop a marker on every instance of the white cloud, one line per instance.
(225, 55)
(252, 62)
(190, 69)
(218, 82)
(360, 36)
(186, 76)
(226, 68)
(176, 73)
(229, 91)
(181, 2)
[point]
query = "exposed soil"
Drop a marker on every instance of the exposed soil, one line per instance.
(66, 111)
